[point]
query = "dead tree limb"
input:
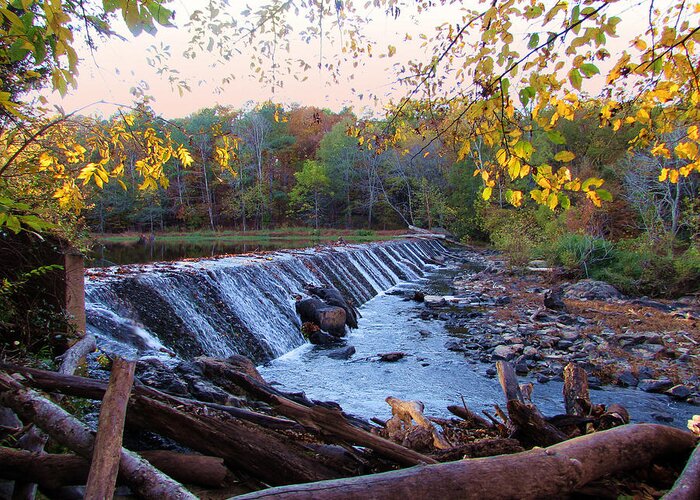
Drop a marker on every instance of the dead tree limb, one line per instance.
(52, 471)
(146, 480)
(566, 466)
(509, 381)
(404, 412)
(104, 467)
(687, 486)
(75, 355)
(469, 416)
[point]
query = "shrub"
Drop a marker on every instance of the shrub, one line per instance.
(580, 254)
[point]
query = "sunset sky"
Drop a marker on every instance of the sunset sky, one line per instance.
(116, 66)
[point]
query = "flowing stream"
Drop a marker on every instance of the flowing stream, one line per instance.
(245, 305)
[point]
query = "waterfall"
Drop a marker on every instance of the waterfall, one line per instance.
(236, 305)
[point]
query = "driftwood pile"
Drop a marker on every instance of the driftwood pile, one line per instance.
(267, 443)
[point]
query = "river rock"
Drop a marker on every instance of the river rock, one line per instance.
(627, 379)
(507, 352)
(592, 290)
(327, 317)
(530, 352)
(341, 353)
(454, 345)
(648, 351)
(679, 392)
(206, 391)
(662, 417)
(434, 300)
(655, 385)
(319, 337)
(333, 297)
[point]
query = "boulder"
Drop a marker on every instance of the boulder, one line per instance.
(156, 374)
(627, 379)
(333, 297)
(454, 345)
(328, 318)
(592, 290)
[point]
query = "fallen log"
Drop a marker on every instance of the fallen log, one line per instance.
(329, 421)
(75, 355)
(687, 486)
(146, 480)
(52, 471)
(104, 466)
(566, 466)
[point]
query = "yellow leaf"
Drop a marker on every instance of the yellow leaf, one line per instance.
(593, 196)
(686, 150)
(552, 201)
(673, 176)
(564, 156)
(486, 194)
(693, 133)
(661, 150)
(663, 175)
(129, 119)
(502, 157)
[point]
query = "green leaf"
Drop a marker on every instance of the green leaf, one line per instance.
(564, 156)
(556, 137)
(526, 94)
(575, 78)
(589, 69)
(160, 14)
(564, 201)
(505, 86)
(13, 223)
(35, 222)
(604, 194)
(534, 41)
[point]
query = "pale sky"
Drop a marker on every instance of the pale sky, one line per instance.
(115, 67)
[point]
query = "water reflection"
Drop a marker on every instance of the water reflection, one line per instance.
(111, 254)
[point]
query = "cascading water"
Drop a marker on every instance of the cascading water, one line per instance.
(237, 305)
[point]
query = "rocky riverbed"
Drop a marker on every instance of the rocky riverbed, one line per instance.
(538, 323)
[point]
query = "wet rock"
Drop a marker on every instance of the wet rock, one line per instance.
(454, 345)
(564, 344)
(592, 290)
(627, 379)
(506, 352)
(504, 300)
(645, 372)
(679, 392)
(655, 385)
(542, 379)
(662, 417)
(424, 333)
(491, 372)
(334, 298)
(341, 353)
(553, 299)
(418, 296)
(521, 369)
(530, 352)
(319, 337)
(391, 356)
(329, 318)
(156, 374)
(434, 300)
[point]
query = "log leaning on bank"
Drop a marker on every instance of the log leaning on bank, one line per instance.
(548, 472)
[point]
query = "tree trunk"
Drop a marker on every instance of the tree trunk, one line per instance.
(108, 442)
(576, 398)
(539, 473)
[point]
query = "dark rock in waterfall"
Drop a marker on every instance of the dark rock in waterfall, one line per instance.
(553, 299)
(332, 297)
(341, 353)
(319, 337)
(154, 373)
(418, 296)
(328, 318)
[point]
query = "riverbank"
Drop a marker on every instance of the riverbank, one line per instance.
(538, 322)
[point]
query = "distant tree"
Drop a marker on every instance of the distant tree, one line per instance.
(312, 185)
